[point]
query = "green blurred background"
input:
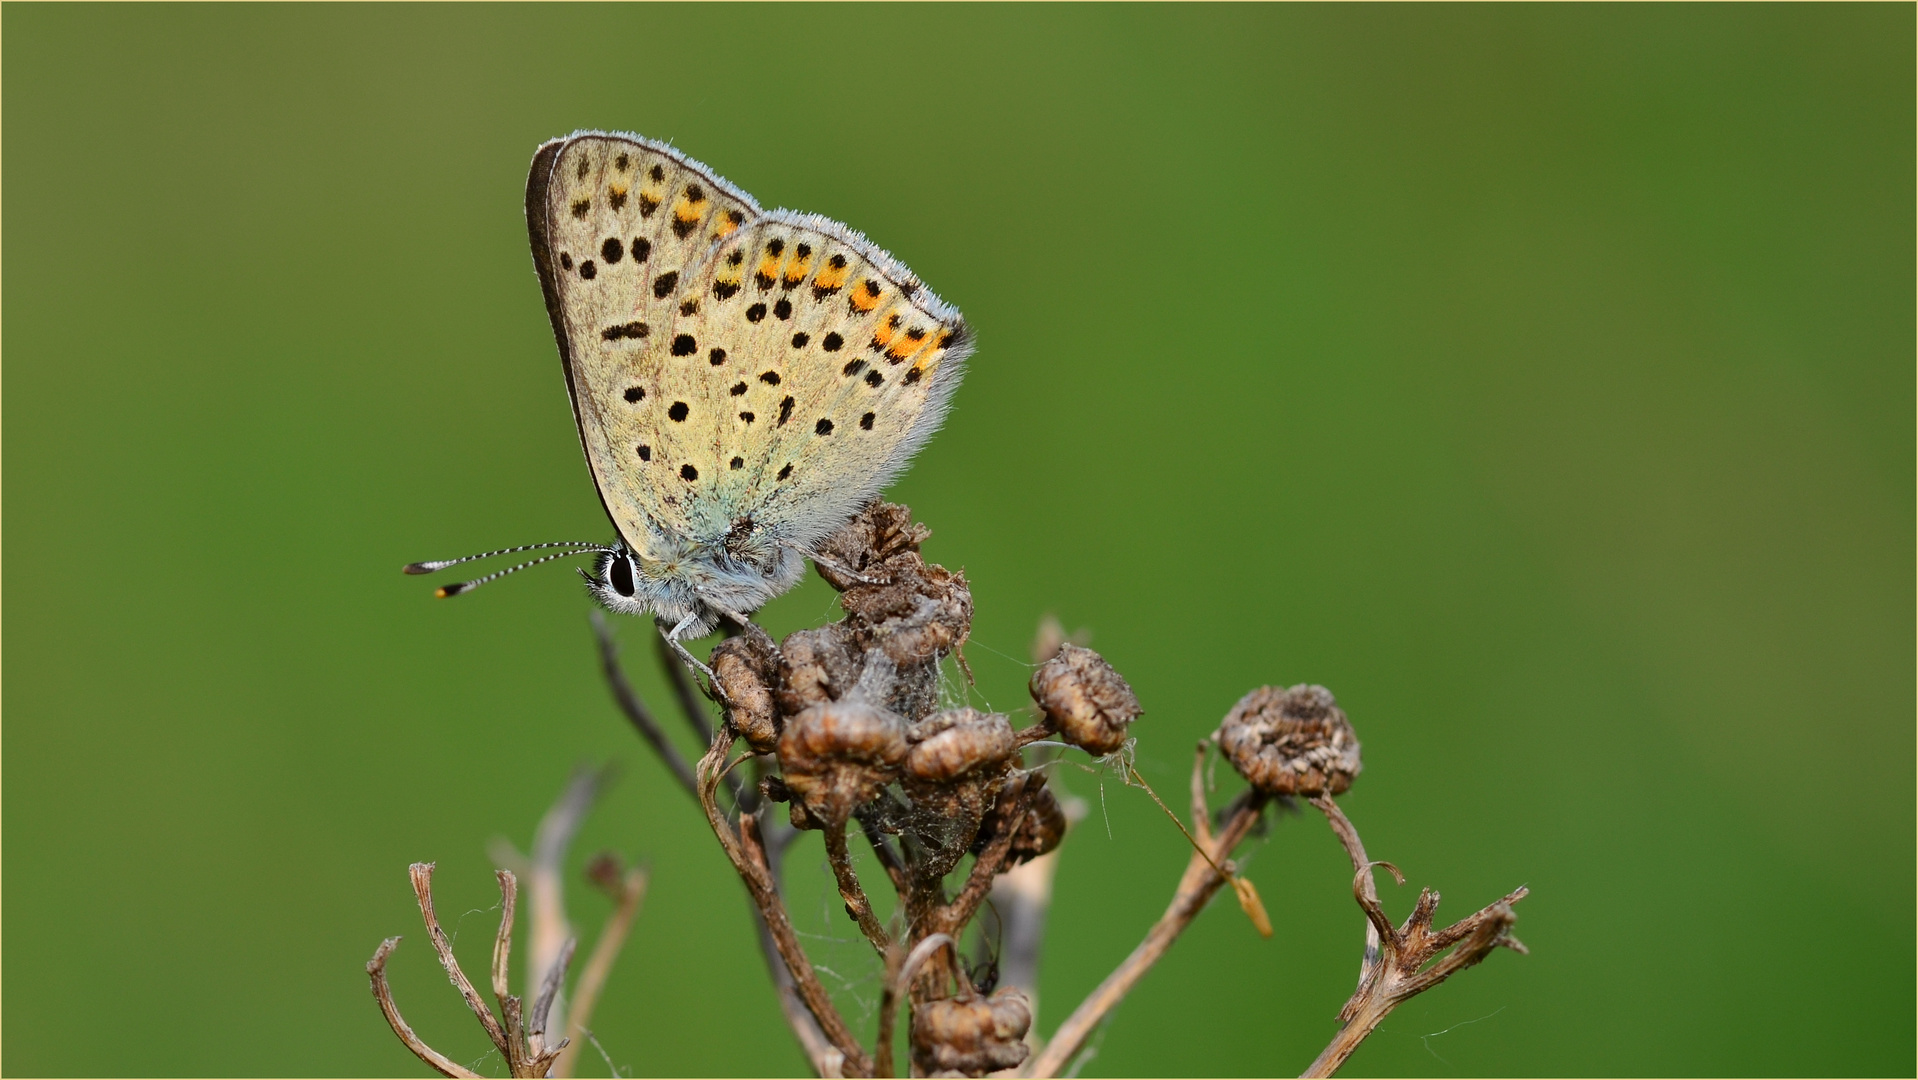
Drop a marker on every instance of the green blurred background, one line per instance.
(1538, 378)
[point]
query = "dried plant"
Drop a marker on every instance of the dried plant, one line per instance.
(842, 725)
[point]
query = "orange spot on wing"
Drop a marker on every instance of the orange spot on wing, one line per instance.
(830, 277)
(797, 268)
(865, 297)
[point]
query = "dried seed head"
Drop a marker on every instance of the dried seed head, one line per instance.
(747, 668)
(877, 538)
(838, 756)
(1038, 832)
(1291, 742)
(816, 666)
(1084, 700)
(953, 771)
(955, 743)
(918, 618)
(971, 1035)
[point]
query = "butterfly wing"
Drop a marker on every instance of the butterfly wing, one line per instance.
(620, 228)
(753, 378)
(835, 364)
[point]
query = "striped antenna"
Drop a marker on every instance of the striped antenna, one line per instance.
(440, 564)
(468, 586)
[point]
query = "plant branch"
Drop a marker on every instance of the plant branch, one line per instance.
(1402, 962)
(422, 876)
(765, 896)
(612, 938)
(825, 1058)
(899, 973)
(382, 993)
(851, 891)
(635, 709)
(1196, 887)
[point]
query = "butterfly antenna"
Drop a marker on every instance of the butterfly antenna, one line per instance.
(440, 564)
(468, 586)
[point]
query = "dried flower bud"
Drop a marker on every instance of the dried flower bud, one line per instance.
(1291, 742)
(816, 666)
(957, 761)
(746, 668)
(1038, 832)
(1084, 700)
(971, 1035)
(838, 756)
(918, 615)
(868, 544)
(951, 744)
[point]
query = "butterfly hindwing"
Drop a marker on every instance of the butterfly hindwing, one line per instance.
(838, 365)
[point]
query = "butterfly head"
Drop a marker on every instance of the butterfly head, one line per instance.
(619, 580)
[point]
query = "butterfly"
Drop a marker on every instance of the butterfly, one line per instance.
(742, 380)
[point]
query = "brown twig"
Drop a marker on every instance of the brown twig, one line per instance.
(546, 879)
(422, 876)
(851, 891)
(900, 969)
(1397, 958)
(502, 961)
(1196, 887)
(826, 1059)
(635, 709)
(952, 919)
(765, 896)
(525, 1052)
(382, 993)
(592, 979)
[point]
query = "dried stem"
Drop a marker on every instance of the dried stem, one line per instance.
(1402, 962)
(826, 1059)
(765, 896)
(635, 709)
(952, 919)
(545, 886)
(1196, 887)
(851, 891)
(382, 993)
(899, 974)
(525, 1053)
(612, 938)
(422, 875)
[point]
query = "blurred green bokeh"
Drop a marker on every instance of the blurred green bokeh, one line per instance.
(1538, 378)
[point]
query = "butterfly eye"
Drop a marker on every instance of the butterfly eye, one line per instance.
(621, 575)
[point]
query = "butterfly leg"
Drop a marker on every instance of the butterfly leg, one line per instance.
(837, 567)
(672, 642)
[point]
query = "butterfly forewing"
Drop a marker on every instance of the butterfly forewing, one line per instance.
(733, 372)
(621, 228)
